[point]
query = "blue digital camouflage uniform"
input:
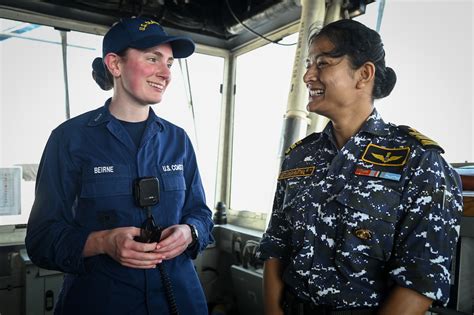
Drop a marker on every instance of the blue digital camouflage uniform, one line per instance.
(84, 184)
(383, 209)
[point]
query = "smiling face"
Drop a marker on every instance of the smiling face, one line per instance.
(331, 81)
(144, 74)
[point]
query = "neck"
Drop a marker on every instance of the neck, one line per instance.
(349, 124)
(128, 111)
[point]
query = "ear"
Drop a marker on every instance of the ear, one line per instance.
(366, 74)
(111, 61)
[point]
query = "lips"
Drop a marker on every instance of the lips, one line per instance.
(316, 92)
(156, 85)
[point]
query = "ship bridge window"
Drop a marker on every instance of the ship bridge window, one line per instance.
(31, 101)
(262, 86)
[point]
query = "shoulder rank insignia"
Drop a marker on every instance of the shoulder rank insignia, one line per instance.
(299, 142)
(378, 155)
(424, 140)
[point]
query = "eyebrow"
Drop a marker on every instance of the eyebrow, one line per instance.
(315, 57)
(160, 54)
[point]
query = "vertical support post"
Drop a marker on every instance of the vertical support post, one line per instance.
(226, 132)
(295, 121)
(66, 81)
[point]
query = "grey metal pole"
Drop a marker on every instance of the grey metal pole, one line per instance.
(295, 121)
(66, 80)
(226, 132)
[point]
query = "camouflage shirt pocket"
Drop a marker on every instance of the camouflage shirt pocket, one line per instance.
(366, 224)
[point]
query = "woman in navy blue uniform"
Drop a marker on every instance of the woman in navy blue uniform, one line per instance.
(85, 219)
(366, 213)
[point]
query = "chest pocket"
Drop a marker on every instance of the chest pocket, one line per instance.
(101, 181)
(366, 224)
(172, 176)
(172, 197)
(297, 207)
(173, 181)
(296, 199)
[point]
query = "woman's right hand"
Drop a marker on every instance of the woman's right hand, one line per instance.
(119, 244)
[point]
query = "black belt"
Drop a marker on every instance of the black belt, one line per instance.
(296, 306)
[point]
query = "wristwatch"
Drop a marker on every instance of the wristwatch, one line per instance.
(194, 234)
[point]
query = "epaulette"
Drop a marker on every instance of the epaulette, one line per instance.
(300, 142)
(424, 140)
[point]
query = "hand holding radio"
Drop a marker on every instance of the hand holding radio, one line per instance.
(130, 253)
(174, 240)
(119, 244)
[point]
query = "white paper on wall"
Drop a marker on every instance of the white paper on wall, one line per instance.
(10, 190)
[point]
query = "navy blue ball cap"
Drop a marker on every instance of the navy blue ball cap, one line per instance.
(143, 33)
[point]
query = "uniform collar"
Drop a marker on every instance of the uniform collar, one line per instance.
(159, 122)
(103, 115)
(374, 125)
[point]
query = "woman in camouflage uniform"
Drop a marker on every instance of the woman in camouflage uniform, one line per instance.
(366, 213)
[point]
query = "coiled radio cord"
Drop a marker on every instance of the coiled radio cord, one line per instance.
(165, 279)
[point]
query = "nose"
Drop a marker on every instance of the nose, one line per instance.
(311, 74)
(164, 72)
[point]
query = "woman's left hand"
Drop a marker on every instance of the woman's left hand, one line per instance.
(174, 240)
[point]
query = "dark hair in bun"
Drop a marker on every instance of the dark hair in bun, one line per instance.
(102, 75)
(361, 44)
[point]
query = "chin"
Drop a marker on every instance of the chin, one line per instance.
(313, 108)
(317, 110)
(155, 100)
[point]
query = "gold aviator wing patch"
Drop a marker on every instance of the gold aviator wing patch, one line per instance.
(378, 155)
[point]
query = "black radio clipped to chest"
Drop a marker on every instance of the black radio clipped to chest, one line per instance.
(146, 192)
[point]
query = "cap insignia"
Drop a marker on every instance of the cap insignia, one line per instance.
(145, 24)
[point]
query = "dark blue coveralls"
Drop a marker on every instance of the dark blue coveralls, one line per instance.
(84, 184)
(384, 209)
